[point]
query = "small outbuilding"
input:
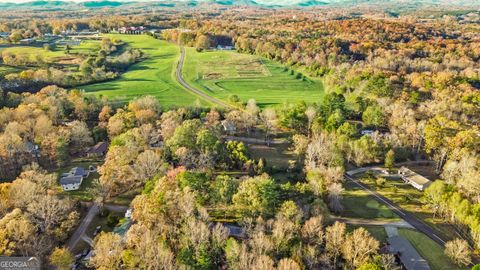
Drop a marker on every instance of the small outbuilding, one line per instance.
(416, 180)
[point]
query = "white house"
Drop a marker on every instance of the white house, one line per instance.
(416, 180)
(73, 179)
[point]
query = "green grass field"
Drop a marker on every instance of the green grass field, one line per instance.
(154, 76)
(224, 73)
(410, 199)
(32, 53)
(87, 47)
(4, 70)
(429, 250)
(359, 204)
(378, 232)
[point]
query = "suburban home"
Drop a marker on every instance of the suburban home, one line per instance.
(98, 150)
(73, 179)
(416, 180)
(133, 30)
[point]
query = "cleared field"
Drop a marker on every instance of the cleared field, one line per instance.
(4, 70)
(86, 47)
(153, 76)
(225, 73)
(33, 53)
(429, 250)
(359, 204)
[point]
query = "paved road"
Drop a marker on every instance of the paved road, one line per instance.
(373, 222)
(255, 140)
(92, 212)
(80, 231)
(411, 219)
(192, 89)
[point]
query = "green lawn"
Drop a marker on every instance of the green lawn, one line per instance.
(225, 73)
(32, 53)
(4, 70)
(410, 199)
(429, 250)
(358, 203)
(84, 192)
(154, 76)
(86, 47)
(378, 232)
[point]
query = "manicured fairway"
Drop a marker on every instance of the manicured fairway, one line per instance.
(225, 73)
(153, 76)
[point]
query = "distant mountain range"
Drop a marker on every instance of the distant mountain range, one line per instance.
(58, 4)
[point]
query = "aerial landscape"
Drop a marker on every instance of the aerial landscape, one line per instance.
(240, 134)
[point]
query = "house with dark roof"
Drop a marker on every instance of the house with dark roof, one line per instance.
(98, 150)
(73, 179)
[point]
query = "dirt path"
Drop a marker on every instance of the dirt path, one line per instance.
(180, 79)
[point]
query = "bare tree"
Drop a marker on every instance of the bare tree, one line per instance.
(311, 112)
(459, 252)
(358, 247)
(334, 197)
(148, 164)
(334, 240)
(268, 118)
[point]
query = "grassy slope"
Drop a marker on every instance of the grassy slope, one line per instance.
(429, 250)
(410, 199)
(359, 204)
(154, 76)
(223, 73)
(33, 52)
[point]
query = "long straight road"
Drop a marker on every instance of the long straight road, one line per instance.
(192, 89)
(411, 219)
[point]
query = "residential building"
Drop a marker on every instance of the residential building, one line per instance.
(416, 180)
(73, 179)
(98, 150)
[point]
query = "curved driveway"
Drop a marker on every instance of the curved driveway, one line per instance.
(181, 80)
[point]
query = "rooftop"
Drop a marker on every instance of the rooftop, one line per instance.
(98, 148)
(413, 176)
(68, 180)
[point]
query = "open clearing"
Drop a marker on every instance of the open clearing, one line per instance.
(225, 73)
(359, 204)
(153, 76)
(32, 53)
